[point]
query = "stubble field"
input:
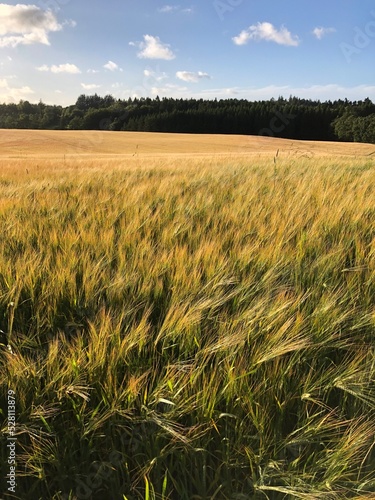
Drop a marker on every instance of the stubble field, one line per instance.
(190, 317)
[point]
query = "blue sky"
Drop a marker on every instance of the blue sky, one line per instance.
(55, 50)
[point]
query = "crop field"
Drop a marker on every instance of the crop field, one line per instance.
(187, 317)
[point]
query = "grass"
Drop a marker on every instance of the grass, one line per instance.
(191, 329)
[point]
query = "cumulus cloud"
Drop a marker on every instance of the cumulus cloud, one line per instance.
(189, 76)
(9, 94)
(320, 32)
(112, 66)
(267, 32)
(65, 68)
(25, 25)
(153, 48)
(61, 68)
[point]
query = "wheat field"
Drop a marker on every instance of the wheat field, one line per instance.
(72, 144)
(188, 317)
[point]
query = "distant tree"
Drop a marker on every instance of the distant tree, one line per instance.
(76, 123)
(350, 127)
(51, 118)
(343, 126)
(292, 118)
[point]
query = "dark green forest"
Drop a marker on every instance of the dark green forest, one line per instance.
(291, 118)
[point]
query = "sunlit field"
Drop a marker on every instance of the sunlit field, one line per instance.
(188, 317)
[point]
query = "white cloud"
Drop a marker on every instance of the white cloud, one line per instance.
(65, 68)
(168, 8)
(25, 25)
(10, 94)
(267, 32)
(189, 76)
(61, 68)
(153, 48)
(112, 66)
(43, 68)
(320, 32)
(93, 71)
(90, 86)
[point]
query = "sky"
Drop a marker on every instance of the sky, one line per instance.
(56, 50)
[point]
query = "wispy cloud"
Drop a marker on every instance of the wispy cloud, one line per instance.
(112, 66)
(189, 76)
(169, 89)
(153, 48)
(157, 76)
(266, 32)
(61, 68)
(168, 9)
(320, 32)
(70, 23)
(90, 86)
(26, 25)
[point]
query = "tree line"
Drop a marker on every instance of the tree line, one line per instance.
(292, 118)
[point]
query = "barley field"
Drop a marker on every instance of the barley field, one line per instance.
(187, 317)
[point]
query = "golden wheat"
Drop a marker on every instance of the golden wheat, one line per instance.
(189, 328)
